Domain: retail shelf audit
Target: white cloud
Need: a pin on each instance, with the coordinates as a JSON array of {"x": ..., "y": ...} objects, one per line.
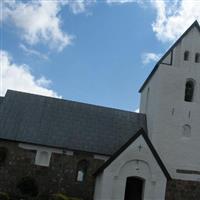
[
  {"x": 137, "y": 110},
  {"x": 19, "y": 77},
  {"x": 39, "y": 21},
  {"x": 150, "y": 57},
  {"x": 79, "y": 6},
  {"x": 121, "y": 1},
  {"x": 174, "y": 17},
  {"x": 30, "y": 51},
  {"x": 43, "y": 82}
]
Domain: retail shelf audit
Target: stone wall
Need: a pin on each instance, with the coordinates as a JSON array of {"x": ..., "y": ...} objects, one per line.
[
  {"x": 60, "y": 176},
  {"x": 183, "y": 190}
]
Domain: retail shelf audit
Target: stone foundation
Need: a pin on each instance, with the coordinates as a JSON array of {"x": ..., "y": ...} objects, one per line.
[
  {"x": 60, "y": 176},
  {"x": 182, "y": 190}
]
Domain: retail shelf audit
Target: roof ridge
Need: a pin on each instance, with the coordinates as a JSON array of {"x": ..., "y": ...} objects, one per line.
[{"x": 72, "y": 101}]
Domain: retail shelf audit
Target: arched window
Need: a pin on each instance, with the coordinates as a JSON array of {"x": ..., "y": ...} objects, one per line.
[
  {"x": 186, "y": 130},
  {"x": 82, "y": 170},
  {"x": 197, "y": 58},
  {"x": 186, "y": 55},
  {"x": 189, "y": 90}
]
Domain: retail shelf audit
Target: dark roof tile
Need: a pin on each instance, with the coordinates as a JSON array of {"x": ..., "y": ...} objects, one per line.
[{"x": 66, "y": 124}]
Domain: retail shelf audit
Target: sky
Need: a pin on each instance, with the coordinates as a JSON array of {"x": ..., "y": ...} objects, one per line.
[{"x": 93, "y": 51}]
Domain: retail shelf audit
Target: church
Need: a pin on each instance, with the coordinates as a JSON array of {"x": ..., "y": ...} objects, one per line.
[{"x": 50, "y": 145}]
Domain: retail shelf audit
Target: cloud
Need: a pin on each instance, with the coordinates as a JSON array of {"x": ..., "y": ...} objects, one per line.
[
  {"x": 122, "y": 1},
  {"x": 39, "y": 21},
  {"x": 150, "y": 57},
  {"x": 19, "y": 77},
  {"x": 137, "y": 110},
  {"x": 174, "y": 17},
  {"x": 30, "y": 51},
  {"x": 79, "y": 6}
]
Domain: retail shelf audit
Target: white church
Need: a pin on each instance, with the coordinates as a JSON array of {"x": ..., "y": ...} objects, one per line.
[
  {"x": 98, "y": 153},
  {"x": 170, "y": 98}
]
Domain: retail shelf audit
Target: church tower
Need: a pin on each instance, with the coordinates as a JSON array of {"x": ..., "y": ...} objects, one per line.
[{"x": 170, "y": 98}]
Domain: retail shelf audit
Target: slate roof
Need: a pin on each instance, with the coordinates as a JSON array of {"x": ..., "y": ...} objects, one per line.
[
  {"x": 66, "y": 124},
  {"x": 1, "y": 99}
]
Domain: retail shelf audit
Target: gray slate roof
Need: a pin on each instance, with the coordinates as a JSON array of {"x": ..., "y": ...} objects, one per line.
[
  {"x": 66, "y": 124},
  {"x": 1, "y": 99}
]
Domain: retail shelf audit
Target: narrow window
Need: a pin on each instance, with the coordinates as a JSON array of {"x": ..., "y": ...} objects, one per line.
[
  {"x": 197, "y": 58},
  {"x": 189, "y": 91},
  {"x": 81, "y": 170},
  {"x": 186, "y": 55},
  {"x": 186, "y": 130}
]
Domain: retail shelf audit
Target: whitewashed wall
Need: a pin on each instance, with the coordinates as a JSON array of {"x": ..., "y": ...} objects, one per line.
[
  {"x": 111, "y": 184},
  {"x": 167, "y": 111}
]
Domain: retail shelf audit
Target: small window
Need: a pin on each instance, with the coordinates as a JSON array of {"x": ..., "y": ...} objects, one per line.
[
  {"x": 42, "y": 158},
  {"x": 81, "y": 170},
  {"x": 197, "y": 58},
  {"x": 186, "y": 55},
  {"x": 186, "y": 130},
  {"x": 189, "y": 91}
]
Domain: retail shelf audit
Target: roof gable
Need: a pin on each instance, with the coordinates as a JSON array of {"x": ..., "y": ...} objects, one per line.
[
  {"x": 142, "y": 133},
  {"x": 195, "y": 24}
]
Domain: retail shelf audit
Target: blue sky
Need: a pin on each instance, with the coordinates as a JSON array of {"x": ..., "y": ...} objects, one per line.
[{"x": 98, "y": 52}]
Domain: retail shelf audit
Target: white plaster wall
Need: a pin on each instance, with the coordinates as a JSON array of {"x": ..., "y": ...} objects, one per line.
[
  {"x": 110, "y": 185},
  {"x": 147, "y": 104},
  {"x": 168, "y": 111}
]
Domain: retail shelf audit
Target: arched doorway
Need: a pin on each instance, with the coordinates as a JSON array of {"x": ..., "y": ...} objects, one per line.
[{"x": 134, "y": 188}]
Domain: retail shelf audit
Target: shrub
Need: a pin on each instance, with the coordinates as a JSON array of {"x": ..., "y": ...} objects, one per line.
[
  {"x": 43, "y": 197},
  {"x": 28, "y": 186},
  {"x": 4, "y": 196},
  {"x": 59, "y": 196}
]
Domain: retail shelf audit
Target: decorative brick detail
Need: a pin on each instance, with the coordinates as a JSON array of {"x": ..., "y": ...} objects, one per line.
[
  {"x": 182, "y": 190},
  {"x": 60, "y": 176}
]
